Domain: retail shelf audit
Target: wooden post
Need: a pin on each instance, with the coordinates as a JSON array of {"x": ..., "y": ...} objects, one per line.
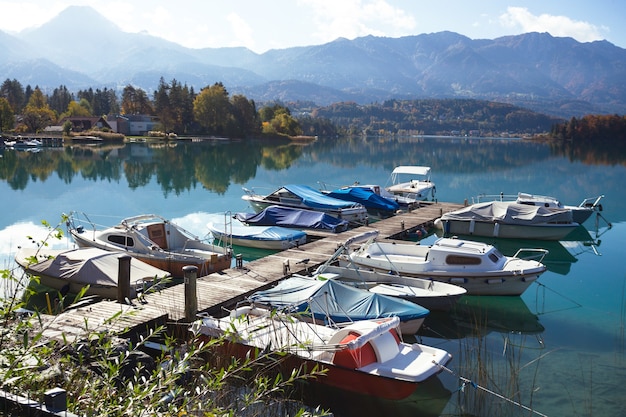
[
  {"x": 123, "y": 279},
  {"x": 191, "y": 297}
]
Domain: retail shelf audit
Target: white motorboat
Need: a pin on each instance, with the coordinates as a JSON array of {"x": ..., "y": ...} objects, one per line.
[
  {"x": 412, "y": 182},
  {"x": 428, "y": 293},
  {"x": 72, "y": 270},
  {"x": 478, "y": 267},
  {"x": 154, "y": 240},
  {"x": 508, "y": 220},
  {"x": 308, "y": 198},
  {"x": 580, "y": 213},
  {"x": 231, "y": 231},
  {"x": 367, "y": 356}
]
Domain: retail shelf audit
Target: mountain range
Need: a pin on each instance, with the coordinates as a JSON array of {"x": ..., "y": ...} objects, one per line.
[{"x": 80, "y": 49}]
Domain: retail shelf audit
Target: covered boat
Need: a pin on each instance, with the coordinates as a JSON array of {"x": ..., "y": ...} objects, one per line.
[
  {"x": 330, "y": 301},
  {"x": 233, "y": 232},
  {"x": 373, "y": 202},
  {"x": 508, "y": 220},
  {"x": 580, "y": 213},
  {"x": 308, "y": 198},
  {"x": 367, "y": 356},
  {"x": 71, "y": 270},
  {"x": 293, "y": 218},
  {"x": 152, "y": 239}
]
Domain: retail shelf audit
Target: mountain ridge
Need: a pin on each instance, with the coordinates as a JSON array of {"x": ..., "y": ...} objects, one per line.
[{"x": 553, "y": 75}]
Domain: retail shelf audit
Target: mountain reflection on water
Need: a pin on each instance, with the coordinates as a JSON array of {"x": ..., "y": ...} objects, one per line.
[{"x": 181, "y": 165}]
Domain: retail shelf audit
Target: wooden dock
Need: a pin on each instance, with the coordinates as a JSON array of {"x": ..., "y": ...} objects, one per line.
[{"x": 222, "y": 290}]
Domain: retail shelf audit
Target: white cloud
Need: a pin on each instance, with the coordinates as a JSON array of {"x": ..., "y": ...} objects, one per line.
[
  {"x": 242, "y": 31},
  {"x": 354, "y": 18},
  {"x": 520, "y": 17}
]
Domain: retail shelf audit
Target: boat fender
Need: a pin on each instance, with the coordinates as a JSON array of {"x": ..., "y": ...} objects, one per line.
[
  {"x": 494, "y": 281},
  {"x": 472, "y": 225},
  {"x": 496, "y": 230}
]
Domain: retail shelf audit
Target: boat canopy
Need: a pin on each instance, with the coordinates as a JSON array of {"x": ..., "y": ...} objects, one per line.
[
  {"x": 293, "y": 218},
  {"x": 412, "y": 170},
  {"x": 367, "y": 198},
  {"x": 332, "y": 300},
  {"x": 316, "y": 199},
  {"x": 510, "y": 213}
]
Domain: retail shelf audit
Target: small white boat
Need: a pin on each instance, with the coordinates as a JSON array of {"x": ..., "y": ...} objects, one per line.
[
  {"x": 27, "y": 143},
  {"x": 367, "y": 357},
  {"x": 428, "y": 293},
  {"x": 508, "y": 220},
  {"x": 231, "y": 231},
  {"x": 478, "y": 267},
  {"x": 154, "y": 240},
  {"x": 412, "y": 182},
  {"x": 580, "y": 213},
  {"x": 71, "y": 270},
  {"x": 308, "y": 198}
]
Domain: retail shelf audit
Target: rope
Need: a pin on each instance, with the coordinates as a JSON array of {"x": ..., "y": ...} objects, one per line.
[{"x": 476, "y": 386}]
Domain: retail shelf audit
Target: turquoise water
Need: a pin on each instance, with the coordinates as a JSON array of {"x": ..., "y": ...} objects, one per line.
[{"x": 558, "y": 349}]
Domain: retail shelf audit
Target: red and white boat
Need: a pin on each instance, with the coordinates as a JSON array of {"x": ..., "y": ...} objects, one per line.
[{"x": 366, "y": 356}]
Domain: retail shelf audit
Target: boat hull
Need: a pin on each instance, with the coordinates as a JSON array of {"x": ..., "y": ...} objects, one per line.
[
  {"x": 484, "y": 284},
  {"x": 506, "y": 231}
]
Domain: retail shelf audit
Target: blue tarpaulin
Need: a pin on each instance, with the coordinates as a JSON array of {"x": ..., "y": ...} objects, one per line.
[
  {"x": 294, "y": 218},
  {"x": 368, "y": 198},
  {"x": 331, "y": 299}
]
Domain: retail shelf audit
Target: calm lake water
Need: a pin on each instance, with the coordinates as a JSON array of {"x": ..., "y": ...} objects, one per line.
[{"x": 557, "y": 350}]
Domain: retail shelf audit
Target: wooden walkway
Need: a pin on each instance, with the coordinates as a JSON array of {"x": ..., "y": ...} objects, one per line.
[{"x": 222, "y": 290}]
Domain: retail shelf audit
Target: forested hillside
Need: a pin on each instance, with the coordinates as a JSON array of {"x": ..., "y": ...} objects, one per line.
[{"x": 458, "y": 117}]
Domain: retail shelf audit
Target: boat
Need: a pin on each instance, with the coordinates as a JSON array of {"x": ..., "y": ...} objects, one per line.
[
  {"x": 233, "y": 232},
  {"x": 508, "y": 220},
  {"x": 307, "y": 198},
  {"x": 69, "y": 271},
  {"x": 412, "y": 182},
  {"x": 580, "y": 213},
  {"x": 367, "y": 356},
  {"x": 375, "y": 203},
  {"x": 330, "y": 301},
  {"x": 27, "y": 143},
  {"x": 478, "y": 267},
  {"x": 294, "y": 218},
  {"x": 428, "y": 293},
  {"x": 153, "y": 240}
]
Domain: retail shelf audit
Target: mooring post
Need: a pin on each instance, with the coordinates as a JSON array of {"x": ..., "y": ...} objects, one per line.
[
  {"x": 123, "y": 279},
  {"x": 191, "y": 297}
]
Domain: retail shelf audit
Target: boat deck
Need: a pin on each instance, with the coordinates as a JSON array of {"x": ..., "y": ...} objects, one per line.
[{"x": 222, "y": 290}]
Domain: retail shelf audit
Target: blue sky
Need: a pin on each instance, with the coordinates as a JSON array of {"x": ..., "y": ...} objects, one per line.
[{"x": 275, "y": 24}]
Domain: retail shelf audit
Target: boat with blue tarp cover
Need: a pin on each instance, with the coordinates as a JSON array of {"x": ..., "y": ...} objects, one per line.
[
  {"x": 293, "y": 218},
  {"x": 305, "y": 197},
  {"x": 227, "y": 229},
  {"x": 331, "y": 301}
]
